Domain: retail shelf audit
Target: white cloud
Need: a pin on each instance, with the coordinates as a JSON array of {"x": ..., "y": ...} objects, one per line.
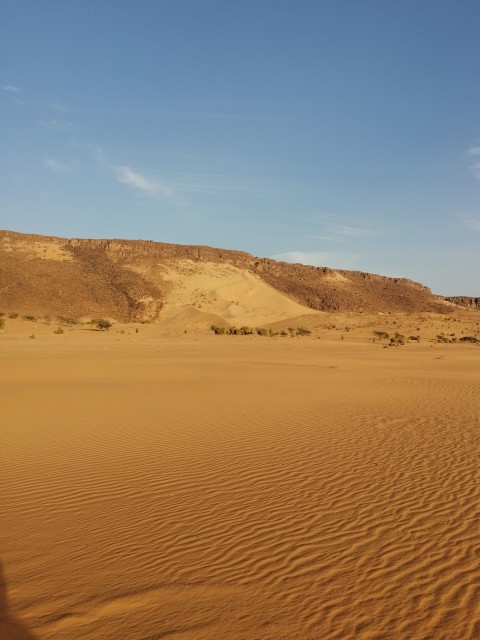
[
  {"x": 475, "y": 169},
  {"x": 474, "y": 153},
  {"x": 352, "y": 232},
  {"x": 472, "y": 222},
  {"x": 125, "y": 175},
  {"x": 58, "y": 125},
  {"x": 338, "y": 228},
  {"x": 11, "y": 88},
  {"x": 334, "y": 260},
  {"x": 54, "y": 165},
  {"x": 59, "y": 106}
]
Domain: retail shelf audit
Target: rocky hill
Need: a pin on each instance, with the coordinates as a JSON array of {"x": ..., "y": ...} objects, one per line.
[
  {"x": 465, "y": 301},
  {"x": 133, "y": 280}
]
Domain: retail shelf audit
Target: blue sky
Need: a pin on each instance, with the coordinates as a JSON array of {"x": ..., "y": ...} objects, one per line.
[{"x": 337, "y": 133}]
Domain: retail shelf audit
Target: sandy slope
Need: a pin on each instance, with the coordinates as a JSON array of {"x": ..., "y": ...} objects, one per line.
[
  {"x": 238, "y": 487},
  {"x": 229, "y": 293}
]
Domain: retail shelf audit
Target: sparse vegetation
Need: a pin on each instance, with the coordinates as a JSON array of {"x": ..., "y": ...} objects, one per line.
[
  {"x": 472, "y": 339},
  {"x": 442, "y": 338},
  {"x": 59, "y": 331},
  {"x": 217, "y": 330},
  {"x": 261, "y": 331},
  {"x": 67, "y": 321},
  {"x": 2, "y": 323},
  {"x": 397, "y": 340},
  {"x": 30, "y": 317},
  {"x": 13, "y": 315},
  {"x": 301, "y": 331},
  {"x": 101, "y": 324},
  {"x": 381, "y": 335}
]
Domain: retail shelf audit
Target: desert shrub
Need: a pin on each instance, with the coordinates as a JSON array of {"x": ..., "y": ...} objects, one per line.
[
  {"x": 234, "y": 331},
  {"x": 284, "y": 333},
  {"x": 442, "y": 339},
  {"x": 414, "y": 338},
  {"x": 261, "y": 331},
  {"x": 67, "y": 321},
  {"x": 471, "y": 339},
  {"x": 29, "y": 317},
  {"x": 13, "y": 315},
  {"x": 32, "y": 337},
  {"x": 247, "y": 331},
  {"x": 2, "y": 313},
  {"x": 301, "y": 331},
  {"x": 381, "y": 335},
  {"x": 217, "y": 330},
  {"x": 397, "y": 341},
  {"x": 102, "y": 324},
  {"x": 2, "y": 323},
  {"x": 59, "y": 331}
]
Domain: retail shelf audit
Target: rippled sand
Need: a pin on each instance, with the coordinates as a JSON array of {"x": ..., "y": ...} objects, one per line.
[{"x": 240, "y": 488}]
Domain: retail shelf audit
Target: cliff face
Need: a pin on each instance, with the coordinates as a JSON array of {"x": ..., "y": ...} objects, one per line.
[
  {"x": 126, "y": 279},
  {"x": 465, "y": 301}
]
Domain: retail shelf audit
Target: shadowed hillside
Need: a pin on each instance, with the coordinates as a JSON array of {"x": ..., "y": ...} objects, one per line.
[{"x": 132, "y": 279}]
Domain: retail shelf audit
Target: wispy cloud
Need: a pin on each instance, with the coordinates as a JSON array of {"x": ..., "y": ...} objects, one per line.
[
  {"x": 134, "y": 179},
  {"x": 56, "y": 166},
  {"x": 334, "y": 260},
  {"x": 58, "y": 125},
  {"x": 60, "y": 106},
  {"x": 471, "y": 222},
  {"x": 12, "y": 88},
  {"x": 334, "y": 229},
  {"x": 474, "y": 153}
]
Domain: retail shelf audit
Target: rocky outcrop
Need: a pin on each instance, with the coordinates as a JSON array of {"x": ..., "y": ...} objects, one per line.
[
  {"x": 125, "y": 279},
  {"x": 465, "y": 301}
]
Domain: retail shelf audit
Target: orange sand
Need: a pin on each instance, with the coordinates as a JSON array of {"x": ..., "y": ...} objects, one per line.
[{"x": 238, "y": 488}]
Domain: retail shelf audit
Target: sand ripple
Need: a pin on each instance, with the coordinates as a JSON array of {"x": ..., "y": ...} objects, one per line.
[{"x": 211, "y": 501}]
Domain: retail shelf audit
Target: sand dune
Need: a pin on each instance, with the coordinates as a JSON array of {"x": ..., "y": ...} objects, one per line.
[
  {"x": 235, "y": 487},
  {"x": 230, "y": 293}
]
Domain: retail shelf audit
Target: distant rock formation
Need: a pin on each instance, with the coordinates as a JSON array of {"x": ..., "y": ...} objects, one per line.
[
  {"x": 465, "y": 301},
  {"x": 127, "y": 280}
]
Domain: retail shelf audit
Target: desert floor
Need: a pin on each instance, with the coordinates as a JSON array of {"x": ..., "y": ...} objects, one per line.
[{"x": 239, "y": 487}]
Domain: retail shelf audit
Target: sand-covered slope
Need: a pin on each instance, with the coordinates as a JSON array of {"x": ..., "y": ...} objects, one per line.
[
  {"x": 232, "y": 294},
  {"x": 127, "y": 280},
  {"x": 238, "y": 488}
]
